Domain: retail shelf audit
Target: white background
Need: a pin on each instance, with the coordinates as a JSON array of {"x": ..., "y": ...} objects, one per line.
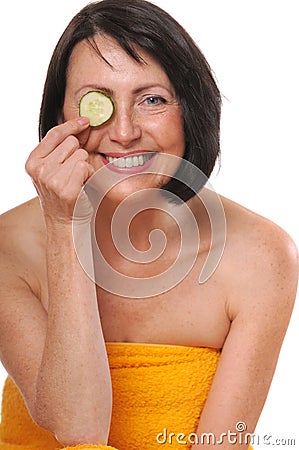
[{"x": 252, "y": 47}]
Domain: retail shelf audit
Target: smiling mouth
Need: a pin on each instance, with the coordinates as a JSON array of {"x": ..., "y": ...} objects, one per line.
[{"x": 125, "y": 162}]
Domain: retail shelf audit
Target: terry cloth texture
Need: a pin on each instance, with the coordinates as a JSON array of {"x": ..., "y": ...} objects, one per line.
[{"x": 157, "y": 390}]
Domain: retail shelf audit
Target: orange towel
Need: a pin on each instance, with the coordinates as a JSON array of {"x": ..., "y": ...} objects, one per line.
[{"x": 155, "y": 387}]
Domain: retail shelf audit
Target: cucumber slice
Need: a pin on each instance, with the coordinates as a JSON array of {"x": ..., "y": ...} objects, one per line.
[{"x": 97, "y": 107}]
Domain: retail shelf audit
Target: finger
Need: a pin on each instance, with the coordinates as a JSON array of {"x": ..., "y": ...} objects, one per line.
[
  {"x": 72, "y": 186},
  {"x": 58, "y": 134},
  {"x": 81, "y": 172},
  {"x": 63, "y": 151},
  {"x": 66, "y": 168},
  {"x": 43, "y": 168}
]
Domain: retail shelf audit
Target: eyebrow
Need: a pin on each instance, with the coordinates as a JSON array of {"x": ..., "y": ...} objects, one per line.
[{"x": 110, "y": 92}]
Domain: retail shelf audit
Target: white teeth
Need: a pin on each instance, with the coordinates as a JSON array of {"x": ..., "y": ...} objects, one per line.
[
  {"x": 120, "y": 162},
  {"x": 129, "y": 161}
]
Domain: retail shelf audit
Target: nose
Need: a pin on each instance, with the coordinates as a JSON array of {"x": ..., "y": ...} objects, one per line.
[{"x": 124, "y": 128}]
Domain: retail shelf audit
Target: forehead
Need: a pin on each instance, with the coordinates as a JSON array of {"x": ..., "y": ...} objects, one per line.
[{"x": 86, "y": 62}]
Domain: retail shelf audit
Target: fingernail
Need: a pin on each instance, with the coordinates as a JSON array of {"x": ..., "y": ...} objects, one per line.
[{"x": 83, "y": 121}]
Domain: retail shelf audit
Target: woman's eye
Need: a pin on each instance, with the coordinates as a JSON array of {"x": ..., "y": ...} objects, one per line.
[{"x": 155, "y": 100}]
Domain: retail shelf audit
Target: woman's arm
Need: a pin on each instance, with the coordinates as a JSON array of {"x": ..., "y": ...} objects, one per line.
[
  {"x": 66, "y": 382},
  {"x": 74, "y": 372},
  {"x": 262, "y": 292}
]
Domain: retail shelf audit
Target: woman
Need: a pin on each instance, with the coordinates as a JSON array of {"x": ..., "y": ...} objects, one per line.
[{"x": 66, "y": 319}]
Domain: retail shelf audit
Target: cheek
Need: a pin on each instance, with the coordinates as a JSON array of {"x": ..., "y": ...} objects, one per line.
[
  {"x": 169, "y": 133},
  {"x": 70, "y": 111}
]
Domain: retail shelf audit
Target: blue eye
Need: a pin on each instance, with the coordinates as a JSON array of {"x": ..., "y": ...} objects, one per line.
[{"x": 155, "y": 100}]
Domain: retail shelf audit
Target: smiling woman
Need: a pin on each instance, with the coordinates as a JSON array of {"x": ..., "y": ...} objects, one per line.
[
  {"x": 101, "y": 295},
  {"x": 147, "y": 118}
]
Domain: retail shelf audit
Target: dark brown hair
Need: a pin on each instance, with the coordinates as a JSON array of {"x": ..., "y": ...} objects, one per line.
[{"x": 140, "y": 24}]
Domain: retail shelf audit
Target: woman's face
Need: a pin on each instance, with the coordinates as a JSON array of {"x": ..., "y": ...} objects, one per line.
[{"x": 147, "y": 119}]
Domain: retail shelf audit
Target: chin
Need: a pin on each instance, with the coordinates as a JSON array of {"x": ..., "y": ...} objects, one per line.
[{"x": 140, "y": 188}]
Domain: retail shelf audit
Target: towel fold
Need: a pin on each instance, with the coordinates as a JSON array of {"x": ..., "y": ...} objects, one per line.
[{"x": 158, "y": 391}]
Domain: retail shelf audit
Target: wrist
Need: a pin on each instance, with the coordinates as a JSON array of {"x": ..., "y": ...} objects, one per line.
[{"x": 58, "y": 230}]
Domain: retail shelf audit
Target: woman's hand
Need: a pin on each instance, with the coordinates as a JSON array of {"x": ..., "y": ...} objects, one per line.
[{"x": 59, "y": 168}]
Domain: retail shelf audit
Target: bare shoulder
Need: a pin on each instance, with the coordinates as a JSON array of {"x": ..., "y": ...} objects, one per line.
[
  {"x": 21, "y": 238},
  {"x": 256, "y": 236},
  {"x": 19, "y": 224},
  {"x": 261, "y": 257}
]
